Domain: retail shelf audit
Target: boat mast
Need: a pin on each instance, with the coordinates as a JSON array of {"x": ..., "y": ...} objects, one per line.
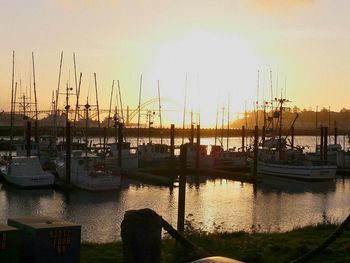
[
  {"x": 222, "y": 127},
  {"x": 160, "y": 115},
  {"x": 139, "y": 114},
  {"x": 36, "y": 103},
  {"x": 184, "y": 112},
  {"x": 57, "y": 92},
  {"x": 121, "y": 102},
  {"x": 110, "y": 106},
  {"x": 12, "y": 104},
  {"x": 98, "y": 109},
  {"x": 216, "y": 125},
  {"x": 228, "y": 122},
  {"x": 77, "y": 102}
]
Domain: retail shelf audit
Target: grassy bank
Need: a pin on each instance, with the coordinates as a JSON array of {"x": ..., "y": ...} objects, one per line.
[{"x": 255, "y": 247}]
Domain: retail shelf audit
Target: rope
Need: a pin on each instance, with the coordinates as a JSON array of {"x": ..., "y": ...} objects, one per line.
[{"x": 325, "y": 243}]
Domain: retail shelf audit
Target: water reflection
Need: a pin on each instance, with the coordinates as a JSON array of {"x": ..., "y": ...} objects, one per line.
[{"x": 214, "y": 205}]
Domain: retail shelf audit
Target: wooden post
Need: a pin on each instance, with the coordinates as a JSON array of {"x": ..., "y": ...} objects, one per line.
[
  {"x": 198, "y": 146},
  {"x": 29, "y": 135},
  {"x": 182, "y": 190},
  {"x": 256, "y": 138},
  {"x": 263, "y": 136},
  {"x": 335, "y": 134},
  {"x": 325, "y": 143},
  {"x": 36, "y": 136},
  {"x": 172, "y": 140},
  {"x": 321, "y": 145},
  {"x": 120, "y": 144},
  {"x": 192, "y": 133},
  {"x": 292, "y": 143},
  {"x": 68, "y": 152},
  {"x": 104, "y": 140},
  {"x": 243, "y": 138}
]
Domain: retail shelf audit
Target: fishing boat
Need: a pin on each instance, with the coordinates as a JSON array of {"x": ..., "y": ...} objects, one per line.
[
  {"x": 205, "y": 160},
  {"x": 129, "y": 159},
  {"x": 230, "y": 158},
  {"x": 279, "y": 159},
  {"x": 151, "y": 154},
  {"x": 27, "y": 172},
  {"x": 89, "y": 172},
  {"x": 335, "y": 155}
]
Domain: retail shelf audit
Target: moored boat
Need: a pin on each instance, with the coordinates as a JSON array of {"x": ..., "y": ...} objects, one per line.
[{"x": 27, "y": 172}]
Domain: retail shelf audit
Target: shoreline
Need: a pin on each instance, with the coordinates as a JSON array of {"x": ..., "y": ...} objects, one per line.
[{"x": 244, "y": 246}]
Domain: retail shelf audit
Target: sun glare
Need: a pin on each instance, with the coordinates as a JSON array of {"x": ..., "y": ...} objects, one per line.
[{"x": 213, "y": 66}]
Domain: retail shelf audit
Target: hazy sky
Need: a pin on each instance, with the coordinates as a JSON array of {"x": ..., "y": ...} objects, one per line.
[{"x": 220, "y": 45}]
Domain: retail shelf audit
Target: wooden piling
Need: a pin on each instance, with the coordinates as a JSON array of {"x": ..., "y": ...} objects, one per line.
[
  {"x": 256, "y": 138},
  {"x": 182, "y": 190},
  {"x": 36, "y": 136},
  {"x": 321, "y": 145},
  {"x": 243, "y": 138},
  {"x": 292, "y": 142},
  {"x": 263, "y": 136},
  {"x": 120, "y": 143},
  {"x": 198, "y": 146},
  {"x": 68, "y": 152},
  {"x": 28, "y": 136},
  {"x": 172, "y": 140},
  {"x": 335, "y": 135},
  {"x": 325, "y": 143}
]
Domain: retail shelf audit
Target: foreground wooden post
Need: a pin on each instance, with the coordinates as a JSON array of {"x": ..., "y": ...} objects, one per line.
[
  {"x": 172, "y": 140},
  {"x": 120, "y": 144},
  {"x": 182, "y": 190},
  {"x": 256, "y": 138},
  {"x": 28, "y": 136},
  {"x": 68, "y": 152},
  {"x": 198, "y": 146},
  {"x": 243, "y": 138},
  {"x": 321, "y": 145},
  {"x": 325, "y": 143},
  {"x": 292, "y": 143}
]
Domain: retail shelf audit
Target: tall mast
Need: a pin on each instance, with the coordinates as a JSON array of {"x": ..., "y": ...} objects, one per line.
[
  {"x": 75, "y": 74},
  {"x": 216, "y": 126},
  {"x": 98, "y": 109},
  {"x": 228, "y": 122},
  {"x": 257, "y": 99},
  {"x": 12, "y": 104},
  {"x": 57, "y": 92},
  {"x": 121, "y": 103},
  {"x": 36, "y": 101},
  {"x": 110, "y": 106},
  {"x": 77, "y": 98},
  {"x": 222, "y": 127},
  {"x": 184, "y": 113},
  {"x": 139, "y": 113},
  {"x": 160, "y": 116}
]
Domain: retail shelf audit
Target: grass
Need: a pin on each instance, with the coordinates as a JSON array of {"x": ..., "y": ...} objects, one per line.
[{"x": 247, "y": 247}]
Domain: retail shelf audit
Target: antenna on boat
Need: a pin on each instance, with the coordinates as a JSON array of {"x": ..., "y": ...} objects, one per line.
[
  {"x": 36, "y": 103},
  {"x": 184, "y": 112},
  {"x": 12, "y": 102},
  {"x": 139, "y": 114},
  {"x": 160, "y": 115},
  {"x": 77, "y": 102},
  {"x": 228, "y": 121},
  {"x": 57, "y": 92},
  {"x": 121, "y": 103},
  {"x": 98, "y": 109}
]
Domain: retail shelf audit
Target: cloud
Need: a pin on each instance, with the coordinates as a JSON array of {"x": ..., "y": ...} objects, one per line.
[{"x": 70, "y": 5}]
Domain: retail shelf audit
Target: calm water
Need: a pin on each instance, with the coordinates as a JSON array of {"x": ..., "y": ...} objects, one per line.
[{"x": 271, "y": 205}]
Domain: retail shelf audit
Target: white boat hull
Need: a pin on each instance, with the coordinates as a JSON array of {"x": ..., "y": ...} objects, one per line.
[
  {"x": 90, "y": 178},
  {"x": 27, "y": 172},
  {"x": 300, "y": 172}
]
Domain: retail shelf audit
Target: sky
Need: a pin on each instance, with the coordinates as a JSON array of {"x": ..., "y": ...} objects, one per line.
[{"x": 216, "y": 54}]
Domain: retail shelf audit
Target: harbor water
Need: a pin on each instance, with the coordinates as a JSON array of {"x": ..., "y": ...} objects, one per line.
[{"x": 212, "y": 204}]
